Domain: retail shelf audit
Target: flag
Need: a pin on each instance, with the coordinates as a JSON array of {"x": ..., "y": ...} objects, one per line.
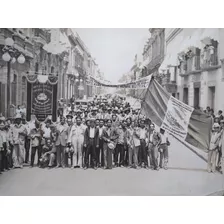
[{"x": 179, "y": 119}]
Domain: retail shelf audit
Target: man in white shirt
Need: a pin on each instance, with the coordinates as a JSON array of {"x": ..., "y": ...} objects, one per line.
[
  {"x": 143, "y": 137},
  {"x": 154, "y": 141},
  {"x": 213, "y": 147},
  {"x": 163, "y": 149},
  {"x": 76, "y": 139}
]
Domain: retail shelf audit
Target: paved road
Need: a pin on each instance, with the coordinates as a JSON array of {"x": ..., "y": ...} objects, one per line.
[{"x": 186, "y": 176}]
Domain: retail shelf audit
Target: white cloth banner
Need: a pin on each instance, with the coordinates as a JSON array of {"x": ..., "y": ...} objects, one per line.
[{"x": 177, "y": 118}]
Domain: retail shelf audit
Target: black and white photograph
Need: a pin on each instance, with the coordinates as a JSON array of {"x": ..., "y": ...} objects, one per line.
[{"x": 111, "y": 111}]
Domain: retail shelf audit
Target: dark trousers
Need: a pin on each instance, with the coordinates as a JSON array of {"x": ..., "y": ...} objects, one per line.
[
  {"x": 163, "y": 149},
  {"x": 143, "y": 152},
  {"x": 90, "y": 151},
  {"x": 27, "y": 150},
  {"x": 119, "y": 150},
  {"x": 126, "y": 156},
  {"x": 33, "y": 153},
  {"x": 10, "y": 155},
  {"x": 5, "y": 162},
  {"x": 99, "y": 154}
]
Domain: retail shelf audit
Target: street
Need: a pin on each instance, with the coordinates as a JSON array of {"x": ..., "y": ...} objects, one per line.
[{"x": 186, "y": 175}]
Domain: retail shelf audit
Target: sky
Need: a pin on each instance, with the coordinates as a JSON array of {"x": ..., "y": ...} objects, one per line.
[{"x": 114, "y": 49}]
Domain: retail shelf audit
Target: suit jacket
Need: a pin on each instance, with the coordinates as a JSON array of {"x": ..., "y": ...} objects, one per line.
[
  {"x": 62, "y": 135},
  {"x": 112, "y": 137},
  {"x": 87, "y": 138}
]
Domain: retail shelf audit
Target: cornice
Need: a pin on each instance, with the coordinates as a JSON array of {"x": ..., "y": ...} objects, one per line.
[{"x": 173, "y": 34}]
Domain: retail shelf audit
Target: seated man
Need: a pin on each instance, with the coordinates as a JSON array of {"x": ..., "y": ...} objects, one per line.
[{"x": 49, "y": 155}]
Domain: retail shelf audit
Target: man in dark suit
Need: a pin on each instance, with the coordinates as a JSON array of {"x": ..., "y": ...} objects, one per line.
[{"x": 91, "y": 142}]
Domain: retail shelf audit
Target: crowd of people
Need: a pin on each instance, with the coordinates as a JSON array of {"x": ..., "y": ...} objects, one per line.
[{"x": 104, "y": 134}]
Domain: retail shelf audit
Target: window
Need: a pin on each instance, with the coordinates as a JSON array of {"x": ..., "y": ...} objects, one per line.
[
  {"x": 52, "y": 69},
  {"x": 36, "y": 68}
]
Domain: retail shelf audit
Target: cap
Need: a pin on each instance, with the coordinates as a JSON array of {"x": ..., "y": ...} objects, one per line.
[
  {"x": 69, "y": 116},
  {"x": 222, "y": 121},
  {"x": 18, "y": 116},
  {"x": 78, "y": 111},
  {"x": 92, "y": 119},
  {"x": 216, "y": 125}
]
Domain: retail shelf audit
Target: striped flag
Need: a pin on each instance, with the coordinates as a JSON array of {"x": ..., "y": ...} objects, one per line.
[{"x": 179, "y": 119}]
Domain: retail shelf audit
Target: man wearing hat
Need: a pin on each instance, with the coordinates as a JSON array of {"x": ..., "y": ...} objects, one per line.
[
  {"x": 35, "y": 135},
  {"x": 213, "y": 147},
  {"x": 93, "y": 114},
  {"x": 163, "y": 149},
  {"x": 69, "y": 151},
  {"x": 76, "y": 139},
  {"x": 143, "y": 137},
  {"x": 91, "y": 142},
  {"x": 61, "y": 141},
  {"x": 19, "y": 133},
  {"x": 108, "y": 115},
  {"x": 110, "y": 137}
]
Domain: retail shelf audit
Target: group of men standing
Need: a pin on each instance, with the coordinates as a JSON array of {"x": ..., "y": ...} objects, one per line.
[{"x": 92, "y": 138}]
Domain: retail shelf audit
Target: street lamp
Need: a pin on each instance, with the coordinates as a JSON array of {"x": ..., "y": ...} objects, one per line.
[{"x": 9, "y": 56}]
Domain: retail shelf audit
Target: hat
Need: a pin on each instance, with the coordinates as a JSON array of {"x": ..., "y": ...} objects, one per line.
[
  {"x": 18, "y": 116},
  {"x": 78, "y": 111},
  {"x": 111, "y": 146},
  {"x": 94, "y": 109},
  {"x": 2, "y": 118},
  {"x": 69, "y": 116},
  {"x": 109, "y": 108},
  {"x": 222, "y": 121},
  {"x": 92, "y": 119},
  {"x": 216, "y": 125}
]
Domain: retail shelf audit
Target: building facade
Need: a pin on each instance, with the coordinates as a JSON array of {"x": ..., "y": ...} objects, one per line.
[{"x": 194, "y": 61}]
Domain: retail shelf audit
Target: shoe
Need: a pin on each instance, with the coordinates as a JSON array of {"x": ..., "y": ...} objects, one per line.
[
  {"x": 63, "y": 167},
  {"x": 72, "y": 167},
  {"x": 58, "y": 166},
  {"x": 165, "y": 168},
  {"x": 104, "y": 168},
  {"x": 157, "y": 168},
  {"x": 30, "y": 166},
  {"x": 85, "y": 168},
  {"x": 122, "y": 166},
  {"x": 129, "y": 167},
  {"x": 95, "y": 168},
  {"x": 146, "y": 167}
]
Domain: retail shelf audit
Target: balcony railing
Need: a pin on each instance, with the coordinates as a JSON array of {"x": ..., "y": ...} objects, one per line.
[
  {"x": 42, "y": 36},
  {"x": 211, "y": 60}
]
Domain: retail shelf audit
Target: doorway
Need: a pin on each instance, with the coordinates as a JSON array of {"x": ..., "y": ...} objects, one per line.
[
  {"x": 185, "y": 96},
  {"x": 196, "y": 98},
  {"x": 211, "y": 97}
]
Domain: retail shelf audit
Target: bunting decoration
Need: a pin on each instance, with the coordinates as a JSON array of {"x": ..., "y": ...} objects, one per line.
[{"x": 138, "y": 84}]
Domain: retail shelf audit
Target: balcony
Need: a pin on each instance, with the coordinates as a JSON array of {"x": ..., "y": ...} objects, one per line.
[
  {"x": 41, "y": 36},
  {"x": 210, "y": 61},
  {"x": 191, "y": 66}
]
